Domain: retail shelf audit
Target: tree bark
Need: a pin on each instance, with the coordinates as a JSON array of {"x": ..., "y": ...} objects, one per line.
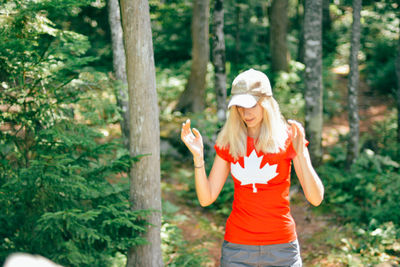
[
  {"x": 278, "y": 21},
  {"x": 352, "y": 145},
  {"x": 193, "y": 97},
  {"x": 313, "y": 77},
  {"x": 119, "y": 65},
  {"x": 145, "y": 190},
  {"x": 218, "y": 52}
]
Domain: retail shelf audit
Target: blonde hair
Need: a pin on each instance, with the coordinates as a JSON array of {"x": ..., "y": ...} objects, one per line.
[{"x": 273, "y": 132}]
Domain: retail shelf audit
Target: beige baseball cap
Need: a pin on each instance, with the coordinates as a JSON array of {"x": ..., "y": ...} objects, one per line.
[{"x": 248, "y": 87}]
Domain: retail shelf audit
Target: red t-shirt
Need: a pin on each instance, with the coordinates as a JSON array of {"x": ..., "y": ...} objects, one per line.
[{"x": 260, "y": 210}]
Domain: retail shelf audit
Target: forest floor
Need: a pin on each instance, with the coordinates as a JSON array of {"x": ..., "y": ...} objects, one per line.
[{"x": 203, "y": 228}]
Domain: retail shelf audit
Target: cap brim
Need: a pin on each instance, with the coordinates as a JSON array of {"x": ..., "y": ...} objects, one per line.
[{"x": 243, "y": 100}]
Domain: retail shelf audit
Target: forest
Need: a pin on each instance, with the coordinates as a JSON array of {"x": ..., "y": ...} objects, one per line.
[{"x": 93, "y": 94}]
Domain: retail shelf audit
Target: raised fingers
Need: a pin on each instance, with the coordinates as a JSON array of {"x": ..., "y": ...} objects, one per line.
[
  {"x": 185, "y": 127},
  {"x": 186, "y": 132},
  {"x": 297, "y": 127}
]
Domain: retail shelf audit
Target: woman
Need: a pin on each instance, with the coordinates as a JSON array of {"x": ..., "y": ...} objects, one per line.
[{"x": 257, "y": 146}]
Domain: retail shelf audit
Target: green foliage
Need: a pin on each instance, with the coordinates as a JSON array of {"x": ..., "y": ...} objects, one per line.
[
  {"x": 333, "y": 95},
  {"x": 368, "y": 191},
  {"x": 288, "y": 88},
  {"x": 177, "y": 251},
  {"x": 381, "y": 67},
  {"x": 172, "y": 39},
  {"x": 375, "y": 243},
  {"x": 354, "y": 245},
  {"x": 383, "y": 139},
  {"x": 246, "y": 33},
  {"x": 171, "y": 82},
  {"x": 365, "y": 199},
  {"x": 56, "y": 198},
  {"x": 379, "y": 39}
]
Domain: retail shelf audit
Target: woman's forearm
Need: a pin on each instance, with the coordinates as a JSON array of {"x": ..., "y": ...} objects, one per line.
[
  {"x": 203, "y": 188},
  {"x": 208, "y": 188},
  {"x": 309, "y": 179},
  {"x": 202, "y": 184}
]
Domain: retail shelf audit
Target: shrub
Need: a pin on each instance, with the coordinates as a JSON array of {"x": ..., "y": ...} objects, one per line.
[
  {"x": 176, "y": 250},
  {"x": 369, "y": 191}
]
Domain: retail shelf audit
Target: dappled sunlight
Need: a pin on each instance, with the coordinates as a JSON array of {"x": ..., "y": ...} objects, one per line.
[
  {"x": 341, "y": 70},
  {"x": 331, "y": 133}
]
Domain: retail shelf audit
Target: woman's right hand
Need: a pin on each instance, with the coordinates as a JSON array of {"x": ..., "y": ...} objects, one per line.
[{"x": 192, "y": 140}]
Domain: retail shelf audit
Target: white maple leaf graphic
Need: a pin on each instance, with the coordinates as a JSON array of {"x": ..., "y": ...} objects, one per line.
[{"x": 252, "y": 173}]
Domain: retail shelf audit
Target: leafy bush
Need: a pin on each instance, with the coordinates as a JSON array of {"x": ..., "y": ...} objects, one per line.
[
  {"x": 370, "y": 190},
  {"x": 379, "y": 40},
  {"x": 177, "y": 251},
  {"x": 288, "y": 88},
  {"x": 383, "y": 139},
  {"x": 172, "y": 41},
  {"x": 56, "y": 198},
  {"x": 352, "y": 245}
]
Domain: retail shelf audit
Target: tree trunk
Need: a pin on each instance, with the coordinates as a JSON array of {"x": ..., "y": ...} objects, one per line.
[
  {"x": 114, "y": 18},
  {"x": 352, "y": 146},
  {"x": 193, "y": 98},
  {"x": 218, "y": 52},
  {"x": 145, "y": 190},
  {"x": 313, "y": 77},
  {"x": 278, "y": 21}
]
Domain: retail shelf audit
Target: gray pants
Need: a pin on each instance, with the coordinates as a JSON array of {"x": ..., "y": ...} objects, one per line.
[{"x": 236, "y": 255}]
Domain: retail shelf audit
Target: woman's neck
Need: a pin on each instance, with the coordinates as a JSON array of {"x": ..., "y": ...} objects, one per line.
[{"x": 253, "y": 132}]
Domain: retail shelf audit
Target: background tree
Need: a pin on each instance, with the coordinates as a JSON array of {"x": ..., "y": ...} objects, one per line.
[
  {"x": 218, "y": 59},
  {"x": 278, "y": 23},
  {"x": 193, "y": 97},
  {"x": 313, "y": 77},
  {"x": 352, "y": 146},
  {"x": 145, "y": 191},
  {"x": 119, "y": 65}
]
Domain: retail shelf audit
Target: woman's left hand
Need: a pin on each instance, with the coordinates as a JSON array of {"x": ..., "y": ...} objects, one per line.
[{"x": 298, "y": 136}]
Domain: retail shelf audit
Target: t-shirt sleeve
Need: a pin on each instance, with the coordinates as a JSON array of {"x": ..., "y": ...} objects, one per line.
[{"x": 223, "y": 153}]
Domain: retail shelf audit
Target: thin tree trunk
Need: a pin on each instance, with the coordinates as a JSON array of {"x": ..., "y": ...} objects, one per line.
[
  {"x": 119, "y": 65},
  {"x": 145, "y": 190},
  {"x": 278, "y": 21},
  {"x": 352, "y": 146},
  {"x": 313, "y": 77},
  {"x": 193, "y": 98},
  {"x": 218, "y": 52}
]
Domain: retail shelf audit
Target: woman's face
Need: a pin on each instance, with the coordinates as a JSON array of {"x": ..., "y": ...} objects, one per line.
[{"x": 253, "y": 116}]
